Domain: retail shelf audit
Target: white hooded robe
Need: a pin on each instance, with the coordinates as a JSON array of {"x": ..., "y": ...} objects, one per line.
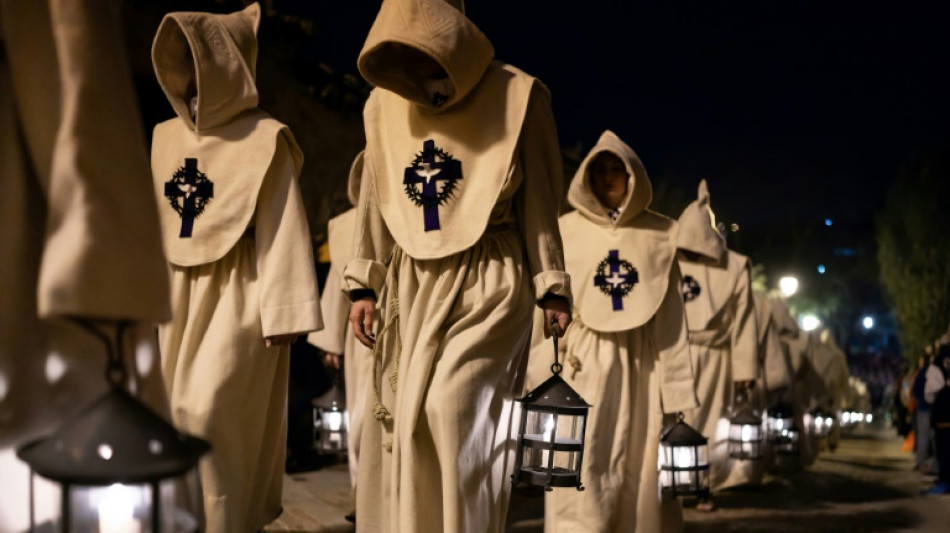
[
  {"x": 78, "y": 229},
  {"x": 241, "y": 262},
  {"x": 626, "y": 353},
  {"x": 337, "y": 337},
  {"x": 461, "y": 184},
  {"x": 717, "y": 289}
]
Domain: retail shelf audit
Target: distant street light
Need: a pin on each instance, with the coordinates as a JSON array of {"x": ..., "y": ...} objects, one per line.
[
  {"x": 868, "y": 322},
  {"x": 821, "y": 269},
  {"x": 788, "y": 285},
  {"x": 828, "y": 222},
  {"x": 810, "y": 322}
]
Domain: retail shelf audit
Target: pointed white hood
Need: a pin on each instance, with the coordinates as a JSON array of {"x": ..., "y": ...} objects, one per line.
[
  {"x": 639, "y": 189},
  {"x": 213, "y": 57},
  {"x": 436, "y": 28},
  {"x": 697, "y": 227}
]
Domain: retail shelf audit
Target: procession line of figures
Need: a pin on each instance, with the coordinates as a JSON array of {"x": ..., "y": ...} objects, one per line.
[{"x": 447, "y": 276}]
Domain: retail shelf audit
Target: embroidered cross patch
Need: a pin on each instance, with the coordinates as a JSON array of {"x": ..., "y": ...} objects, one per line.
[
  {"x": 422, "y": 181},
  {"x": 189, "y": 191},
  {"x": 691, "y": 289},
  {"x": 616, "y": 277}
]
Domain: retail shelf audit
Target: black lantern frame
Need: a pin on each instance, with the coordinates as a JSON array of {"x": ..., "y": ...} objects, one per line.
[
  {"x": 745, "y": 435},
  {"x": 550, "y": 449},
  {"x": 115, "y": 442},
  {"x": 331, "y": 421},
  {"x": 783, "y": 432},
  {"x": 683, "y": 461}
]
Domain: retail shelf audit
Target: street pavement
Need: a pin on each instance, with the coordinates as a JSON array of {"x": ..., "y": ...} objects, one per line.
[{"x": 867, "y": 485}]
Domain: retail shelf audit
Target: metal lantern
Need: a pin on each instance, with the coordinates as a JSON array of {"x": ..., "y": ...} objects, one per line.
[
  {"x": 119, "y": 465},
  {"x": 745, "y": 435},
  {"x": 782, "y": 431},
  {"x": 850, "y": 418},
  {"x": 551, "y": 436},
  {"x": 683, "y": 461},
  {"x": 330, "y": 422},
  {"x": 821, "y": 422}
]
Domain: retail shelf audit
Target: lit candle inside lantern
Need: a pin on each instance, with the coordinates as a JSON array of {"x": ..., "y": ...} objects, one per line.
[
  {"x": 335, "y": 420},
  {"x": 746, "y": 434},
  {"x": 116, "y": 511}
]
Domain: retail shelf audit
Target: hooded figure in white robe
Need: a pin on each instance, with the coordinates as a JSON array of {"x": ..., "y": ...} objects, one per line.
[
  {"x": 459, "y": 196},
  {"x": 336, "y": 337},
  {"x": 717, "y": 289},
  {"x": 796, "y": 345},
  {"x": 79, "y": 229},
  {"x": 626, "y": 352},
  {"x": 236, "y": 236},
  {"x": 827, "y": 381},
  {"x": 774, "y": 374}
]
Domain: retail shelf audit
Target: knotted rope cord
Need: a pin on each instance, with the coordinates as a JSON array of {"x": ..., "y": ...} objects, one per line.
[{"x": 380, "y": 412}]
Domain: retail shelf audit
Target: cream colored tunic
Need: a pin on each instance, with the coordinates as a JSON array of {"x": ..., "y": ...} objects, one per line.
[
  {"x": 626, "y": 353},
  {"x": 337, "y": 337},
  {"x": 722, "y": 333},
  {"x": 245, "y": 271},
  {"x": 78, "y": 228},
  {"x": 458, "y": 310}
]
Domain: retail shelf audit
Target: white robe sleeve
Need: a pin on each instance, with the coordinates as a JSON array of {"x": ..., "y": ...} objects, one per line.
[
  {"x": 336, "y": 309},
  {"x": 670, "y": 335},
  {"x": 372, "y": 241},
  {"x": 102, "y": 257},
  {"x": 289, "y": 298},
  {"x": 745, "y": 362},
  {"x": 539, "y": 198}
]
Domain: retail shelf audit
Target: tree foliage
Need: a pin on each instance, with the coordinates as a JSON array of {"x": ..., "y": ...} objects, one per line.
[{"x": 913, "y": 237}]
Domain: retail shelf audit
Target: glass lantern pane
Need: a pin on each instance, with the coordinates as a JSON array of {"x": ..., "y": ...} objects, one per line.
[
  {"x": 329, "y": 430},
  {"x": 122, "y": 508}
]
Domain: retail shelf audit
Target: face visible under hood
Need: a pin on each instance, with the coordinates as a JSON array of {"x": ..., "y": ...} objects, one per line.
[
  {"x": 408, "y": 35},
  {"x": 213, "y": 57},
  {"x": 697, "y": 227},
  {"x": 639, "y": 190}
]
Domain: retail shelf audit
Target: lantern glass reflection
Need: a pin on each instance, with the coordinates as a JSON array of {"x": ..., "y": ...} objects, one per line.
[
  {"x": 565, "y": 431},
  {"x": 551, "y": 434},
  {"x": 745, "y": 435},
  {"x": 782, "y": 431},
  {"x": 683, "y": 461},
  {"x": 330, "y": 426},
  {"x": 821, "y": 423},
  {"x": 165, "y": 507}
]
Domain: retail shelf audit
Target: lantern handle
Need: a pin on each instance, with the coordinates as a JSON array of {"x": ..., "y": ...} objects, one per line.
[
  {"x": 116, "y": 373},
  {"x": 557, "y": 367}
]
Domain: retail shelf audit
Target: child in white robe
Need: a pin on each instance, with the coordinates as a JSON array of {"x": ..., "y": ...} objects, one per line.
[
  {"x": 237, "y": 240},
  {"x": 626, "y": 352},
  {"x": 717, "y": 289}
]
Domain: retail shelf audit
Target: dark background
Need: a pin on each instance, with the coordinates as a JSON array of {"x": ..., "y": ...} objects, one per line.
[{"x": 794, "y": 111}]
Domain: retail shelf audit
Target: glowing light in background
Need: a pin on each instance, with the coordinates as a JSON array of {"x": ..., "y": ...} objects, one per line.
[
  {"x": 788, "y": 285},
  {"x": 810, "y": 322},
  {"x": 867, "y": 322}
]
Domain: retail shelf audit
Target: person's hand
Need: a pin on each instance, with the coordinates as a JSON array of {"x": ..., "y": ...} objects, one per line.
[
  {"x": 333, "y": 360},
  {"x": 280, "y": 340},
  {"x": 362, "y": 316},
  {"x": 557, "y": 316}
]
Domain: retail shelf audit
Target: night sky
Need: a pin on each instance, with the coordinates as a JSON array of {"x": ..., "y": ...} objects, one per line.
[
  {"x": 795, "y": 111},
  {"x": 813, "y": 104}
]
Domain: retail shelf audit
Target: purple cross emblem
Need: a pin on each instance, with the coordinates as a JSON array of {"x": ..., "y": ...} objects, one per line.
[
  {"x": 194, "y": 189},
  {"x": 428, "y": 168},
  {"x": 615, "y": 277}
]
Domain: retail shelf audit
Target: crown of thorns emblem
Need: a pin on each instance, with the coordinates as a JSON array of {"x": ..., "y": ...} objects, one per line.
[{"x": 691, "y": 289}]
